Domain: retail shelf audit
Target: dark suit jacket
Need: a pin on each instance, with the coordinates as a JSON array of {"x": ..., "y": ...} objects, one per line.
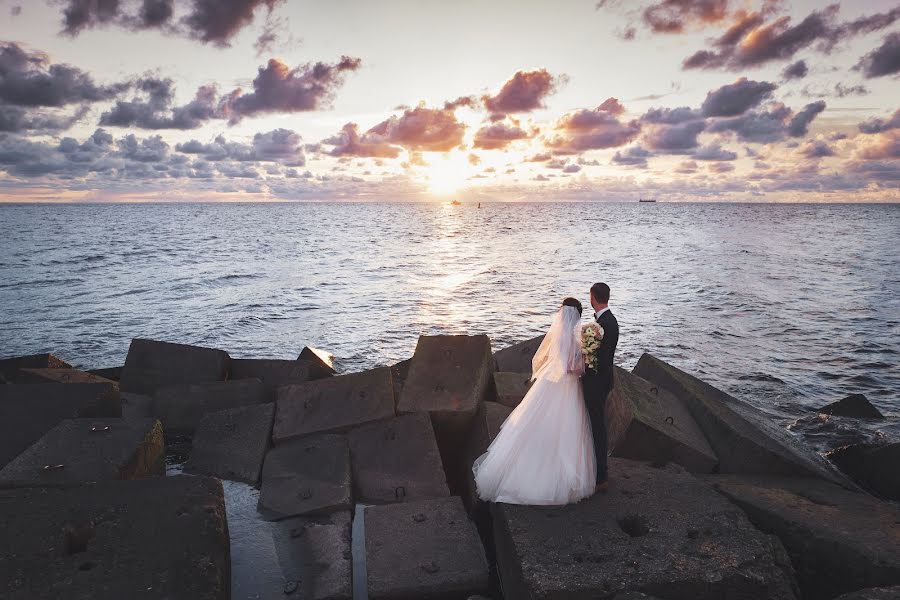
[{"x": 601, "y": 382}]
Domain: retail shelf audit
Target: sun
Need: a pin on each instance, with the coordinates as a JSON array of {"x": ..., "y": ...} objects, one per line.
[{"x": 447, "y": 174}]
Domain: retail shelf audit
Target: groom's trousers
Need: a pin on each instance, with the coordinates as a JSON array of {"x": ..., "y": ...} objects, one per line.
[{"x": 596, "y": 390}]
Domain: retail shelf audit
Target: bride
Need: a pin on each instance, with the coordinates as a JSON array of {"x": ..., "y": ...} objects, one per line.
[{"x": 544, "y": 453}]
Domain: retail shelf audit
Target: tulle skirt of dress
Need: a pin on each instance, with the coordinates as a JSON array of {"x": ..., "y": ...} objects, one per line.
[{"x": 544, "y": 452}]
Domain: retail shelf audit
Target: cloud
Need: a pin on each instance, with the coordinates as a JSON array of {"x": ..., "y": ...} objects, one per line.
[
  {"x": 756, "y": 126},
  {"x": 30, "y": 79},
  {"x": 16, "y": 119},
  {"x": 771, "y": 125},
  {"x": 279, "y": 88},
  {"x": 467, "y": 101},
  {"x": 753, "y": 40},
  {"x": 884, "y": 171},
  {"x": 673, "y": 16},
  {"x": 799, "y": 125},
  {"x": 218, "y": 21},
  {"x": 349, "y": 143},
  {"x": 499, "y": 135},
  {"x": 817, "y": 149},
  {"x": 274, "y": 30},
  {"x": 875, "y": 125},
  {"x": 571, "y": 168},
  {"x": 210, "y": 21},
  {"x": 81, "y": 14},
  {"x": 21, "y": 157},
  {"x": 796, "y": 70},
  {"x": 587, "y": 129},
  {"x": 420, "y": 129},
  {"x": 687, "y": 167},
  {"x": 670, "y": 116},
  {"x": 152, "y": 149},
  {"x": 680, "y": 138},
  {"x": 839, "y": 91},
  {"x": 885, "y": 146},
  {"x": 102, "y": 162},
  {"x": 713, "y": 152},
  {"x": 525, "y": 92},
  {"x": 870, "y": 24},
  {"x": 721, "y": 167},
  {"x": 154, "y": 13},
  {"x": 156, "y": 110},
  {"x": 884, "y": 60},
  {"x": 633, "y": 157},
  {"x": 736, "y": 98},
  {"x": 118, "y": 168},
  {"x": 279, "y": 145},
  {"x": 93, "y": 148}
]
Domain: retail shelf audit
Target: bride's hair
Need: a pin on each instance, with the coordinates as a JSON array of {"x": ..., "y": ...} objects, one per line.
[{"x": 573, "y": 302}]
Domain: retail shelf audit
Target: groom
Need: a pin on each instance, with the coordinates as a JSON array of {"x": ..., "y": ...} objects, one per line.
[{"x": 599, "y": 382}]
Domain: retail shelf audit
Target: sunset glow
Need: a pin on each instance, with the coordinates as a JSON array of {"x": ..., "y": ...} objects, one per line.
[
  {"x": 271, "y": 100},
  {"x": 446, "y": 174}
]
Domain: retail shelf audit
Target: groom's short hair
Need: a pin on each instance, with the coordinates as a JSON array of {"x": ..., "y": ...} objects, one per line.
[{"x": 600, "y": 292}]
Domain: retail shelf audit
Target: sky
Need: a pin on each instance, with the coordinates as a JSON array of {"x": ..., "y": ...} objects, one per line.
[{"x": 616, "y": 100}]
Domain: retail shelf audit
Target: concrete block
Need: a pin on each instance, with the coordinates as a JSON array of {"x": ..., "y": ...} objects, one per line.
[
  {"x": 647, "y": 422},
  {"x": 397, "y": 461},
  {"x": 333, "y": 404},
  {"x": 307, "y": 476},
  {"x": 886, "y": 593},
  {"x": 231, "y": 444},
  {"x": 511, "y": 387},
  {"x": 399, "y": 372},
  {"x": 425, "y": 549},
  {"x": 744, "y": 438},
  {"x": 27, "y": 412},
  {"x": 136, "y": 406},
  {"x": 180, "y": 407},
  {"x": 300, "y": 557},
  {"x": 876, "y": 468},
  {"x": 273, "y": 373},
  {"x": 854, "y": 405},
  {"x": 658, "y": 531},
  {"x": 9, "y": 367},
  {"x": 151, "y": 364},
  {"x": 163, "y": 538},
  {"x": 320, "y": 362},
  {"x": 111, "y": 373},
  {"x": 85, "y": 450},
  {"x": 449, "y": 377},
  {"x": 517, "y": 358},
  {"x": 63, "y": 375},
  {"x": 838, "y": 540}
]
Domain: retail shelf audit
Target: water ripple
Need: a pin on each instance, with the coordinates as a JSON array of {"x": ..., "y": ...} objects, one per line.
[{"x": 788, "y": 307}]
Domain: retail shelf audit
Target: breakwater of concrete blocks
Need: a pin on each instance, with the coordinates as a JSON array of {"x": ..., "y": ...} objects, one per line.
[{"x": 301, "y": 482}]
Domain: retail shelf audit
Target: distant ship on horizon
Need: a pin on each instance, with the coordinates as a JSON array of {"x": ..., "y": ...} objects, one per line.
[
  {"x": 455, "y": 203},
  {"x": 646, "y": 200}
]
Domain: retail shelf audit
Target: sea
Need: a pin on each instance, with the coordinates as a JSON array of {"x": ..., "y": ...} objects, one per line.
[{"x": 785, "y": 306}]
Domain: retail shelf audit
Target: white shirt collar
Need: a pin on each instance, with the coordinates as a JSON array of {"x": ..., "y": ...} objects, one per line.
[{"x": 600, "y": 312}]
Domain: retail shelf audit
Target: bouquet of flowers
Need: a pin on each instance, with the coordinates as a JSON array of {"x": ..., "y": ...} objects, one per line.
[{"x": 591, "y": 336}]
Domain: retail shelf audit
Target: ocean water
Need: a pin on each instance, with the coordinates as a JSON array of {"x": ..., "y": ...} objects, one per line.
[{"x": 785, "y": 306}]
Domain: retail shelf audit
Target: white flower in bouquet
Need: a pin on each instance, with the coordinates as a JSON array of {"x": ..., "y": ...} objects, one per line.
[{"x": 591, "y": 336}]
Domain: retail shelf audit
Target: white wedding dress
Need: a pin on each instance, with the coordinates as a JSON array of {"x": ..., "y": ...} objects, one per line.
[{"x": 544, "y": 452}]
